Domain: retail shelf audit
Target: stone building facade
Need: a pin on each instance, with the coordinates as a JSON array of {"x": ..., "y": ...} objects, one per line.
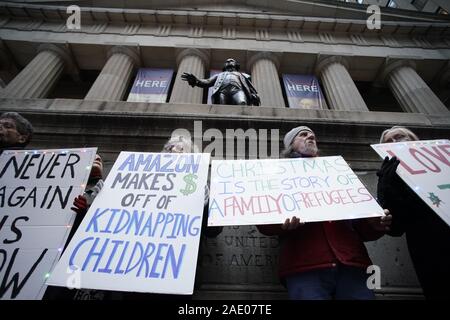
[{"x": 73, "y": 83}]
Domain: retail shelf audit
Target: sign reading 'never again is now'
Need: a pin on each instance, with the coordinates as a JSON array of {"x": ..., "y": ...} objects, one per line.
[{"x": 37, "y": 189}]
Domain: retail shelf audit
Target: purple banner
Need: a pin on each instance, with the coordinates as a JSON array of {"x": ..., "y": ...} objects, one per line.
[
  {"x": 303, "y": 92},
  {"x": 151, "y": 85}
]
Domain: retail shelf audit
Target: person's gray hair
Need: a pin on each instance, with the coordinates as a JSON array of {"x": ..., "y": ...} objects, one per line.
[
  {"x": 179, "y": 140},
  {"x": 23, "y": 126},
  {"x": 290, "y": 136},
  {"x": 403, "y": 130}
]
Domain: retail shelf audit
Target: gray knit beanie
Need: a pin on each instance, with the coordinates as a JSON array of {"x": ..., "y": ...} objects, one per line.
[{"x": 290, "y": 136}]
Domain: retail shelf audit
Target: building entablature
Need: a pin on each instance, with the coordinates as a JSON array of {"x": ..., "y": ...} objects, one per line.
[{"x": 421, "y": 26}]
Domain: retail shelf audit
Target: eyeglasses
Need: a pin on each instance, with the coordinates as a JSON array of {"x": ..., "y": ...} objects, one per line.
[{"x": 174, "y": 148}]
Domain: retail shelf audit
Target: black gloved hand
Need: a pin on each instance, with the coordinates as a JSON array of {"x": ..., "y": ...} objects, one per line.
[{"x": 389, "y": 183}]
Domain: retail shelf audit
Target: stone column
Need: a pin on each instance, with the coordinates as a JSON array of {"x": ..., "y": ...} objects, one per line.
[
  {"x": 411, "y": 92},
  {"x": 193, "y": 61},
  {"x": 339, "y": 87},
  {"x": 37, "y": 79},
  {"x": 263, "y": 67},
  {"x": 8, "y": 68},
  {"x": 113, "y": 81}
]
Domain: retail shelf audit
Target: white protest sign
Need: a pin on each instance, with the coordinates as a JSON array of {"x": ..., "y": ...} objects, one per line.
[
  {"x": 142, "y": 231},
  {"x": 251, "y": 192},
  {"x": 37, "y": 188},
  {"x": 425, "y": 167}
]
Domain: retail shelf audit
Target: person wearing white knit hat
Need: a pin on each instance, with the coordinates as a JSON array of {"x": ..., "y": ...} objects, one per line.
[
  {"x": 323, "y": 260},
  {"x": 300, "y": 142}
]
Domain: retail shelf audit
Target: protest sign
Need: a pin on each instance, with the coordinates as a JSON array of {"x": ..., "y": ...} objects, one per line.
[
  {"x": 425, "y": 167},
  {"x": 37, "y": 188},
  {"x": 142, "y": 231},
  {"x": 251, "y": 192}
]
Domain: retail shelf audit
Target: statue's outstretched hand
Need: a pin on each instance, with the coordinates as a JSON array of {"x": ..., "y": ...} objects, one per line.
[{"x": 190, "y": 78}]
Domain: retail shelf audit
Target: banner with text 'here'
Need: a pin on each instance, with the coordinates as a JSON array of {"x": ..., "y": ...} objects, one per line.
[
  {"x": 151, "y": 85},
  {"x": 303, "y": 92}
]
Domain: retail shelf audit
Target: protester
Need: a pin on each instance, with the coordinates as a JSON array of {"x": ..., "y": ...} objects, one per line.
[
  {"x": 181, "y": 144},
  {"x": 81, "y": 205},
  {"x": 323, "y": 260},
  {"x": 15, "y": 131},
  {"x": 427, "y": 235}
]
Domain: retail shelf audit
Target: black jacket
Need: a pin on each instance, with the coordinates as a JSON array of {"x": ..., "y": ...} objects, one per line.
[{"x": 427, "y": 235}]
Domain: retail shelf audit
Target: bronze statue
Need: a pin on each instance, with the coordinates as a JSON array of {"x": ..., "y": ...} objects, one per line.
[{"x": 230, "y": 86}]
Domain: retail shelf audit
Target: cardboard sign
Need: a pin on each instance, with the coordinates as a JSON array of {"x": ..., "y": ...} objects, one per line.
[
  {"x": 425, "y": 167},
  {"x": 142, "y": 231},
  {"x": 251, "y": 192},
  {"x": 37, "y": 188}
]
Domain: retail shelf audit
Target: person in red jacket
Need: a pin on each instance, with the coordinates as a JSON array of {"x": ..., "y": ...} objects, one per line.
[
  {"x": 80, "y": 206},
  {"x": 323, "y": 260}
]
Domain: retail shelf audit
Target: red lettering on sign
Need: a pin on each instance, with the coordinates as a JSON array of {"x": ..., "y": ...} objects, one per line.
[
  {"x": 404, "y": 165},
  {"x": 430, "y": 166}
]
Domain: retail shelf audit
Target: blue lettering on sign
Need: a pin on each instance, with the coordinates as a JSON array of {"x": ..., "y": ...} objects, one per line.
[
  {"x": 142, "y": 223},
  {"x": 181, "y": 163},
  {"x": 147, "y": 260}
]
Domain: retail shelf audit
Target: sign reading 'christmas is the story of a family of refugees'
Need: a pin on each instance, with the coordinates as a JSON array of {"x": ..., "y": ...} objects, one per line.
[
  {"x": 142, "y": 231},
  {"x": 251, "y": 192}
]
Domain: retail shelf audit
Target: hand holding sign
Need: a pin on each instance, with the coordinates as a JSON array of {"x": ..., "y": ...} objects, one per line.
[
  {"x": 80, "y": 205},
  {"x": 291, "y": 224},
  {"x": 389, "y": 182},
  {"x": 382, "y": 224}
]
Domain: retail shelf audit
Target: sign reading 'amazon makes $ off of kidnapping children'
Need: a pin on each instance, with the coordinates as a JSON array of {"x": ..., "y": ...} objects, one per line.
[
  {"x": 142, "y": 231},
  {"x": 425, "y": 167},
  {"x": 37, "y": 188},
  {"x": 252, "y": 192}
]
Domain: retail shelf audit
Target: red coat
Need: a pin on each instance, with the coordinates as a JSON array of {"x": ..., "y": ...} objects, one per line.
[{"x": 322, "y": 244}]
